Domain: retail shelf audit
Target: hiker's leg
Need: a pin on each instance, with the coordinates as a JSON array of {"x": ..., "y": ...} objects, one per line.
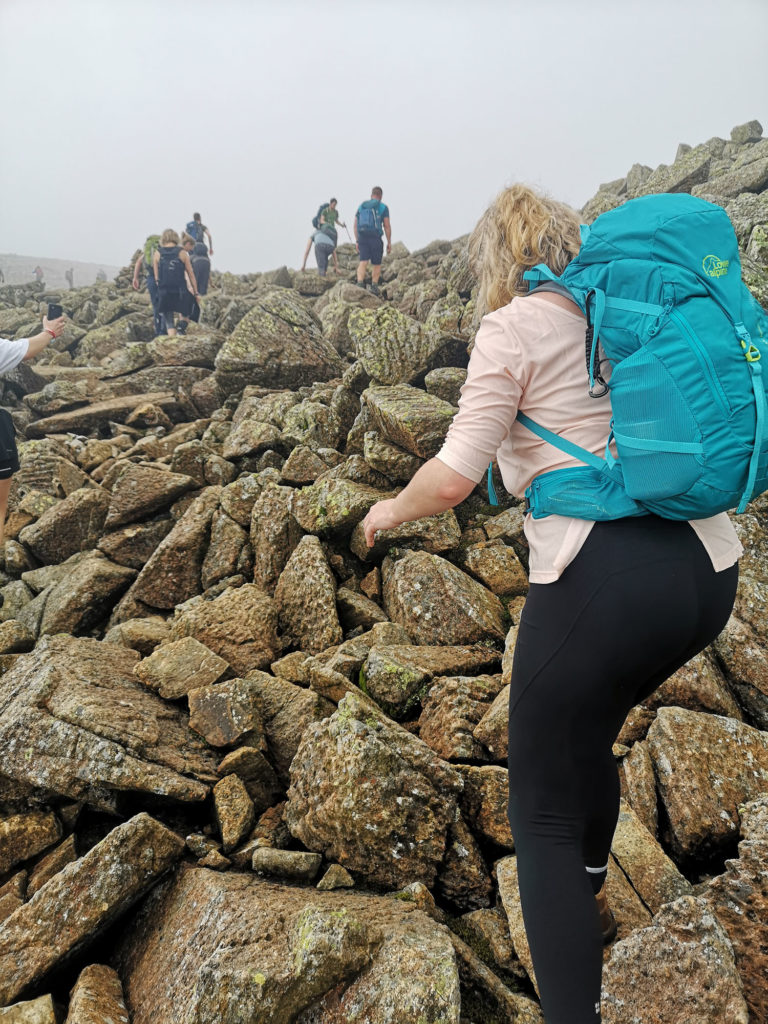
[
  {"x": 640, "y": 595},
  {"x": 378, "y": 253},
  {"x": 154, "y": 298},
  {"x": 321, "y": 255},
  {"x": 362, "y": 266}
]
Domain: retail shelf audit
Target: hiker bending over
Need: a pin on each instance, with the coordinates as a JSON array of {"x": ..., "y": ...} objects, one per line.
[
  {"x": 371, "y": 219},
  {"x": 325, "y": 247},
  {"x": 11, "y": 354},
  {"x": 613, "y": 609},
  {"x": 173, "y": 267}
]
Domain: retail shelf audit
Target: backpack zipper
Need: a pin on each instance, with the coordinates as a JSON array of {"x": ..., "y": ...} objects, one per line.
[{"x": 705, "y": 360}]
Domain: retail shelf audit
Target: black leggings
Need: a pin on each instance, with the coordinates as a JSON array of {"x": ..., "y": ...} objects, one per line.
[{"x": 638, "y": 601}]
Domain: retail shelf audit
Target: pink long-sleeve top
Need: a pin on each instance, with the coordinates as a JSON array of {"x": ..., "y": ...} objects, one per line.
[{"x": 529, "y": 356}]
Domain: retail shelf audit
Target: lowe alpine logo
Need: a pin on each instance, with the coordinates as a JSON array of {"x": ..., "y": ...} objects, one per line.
[{"x": 714, "y": 267}]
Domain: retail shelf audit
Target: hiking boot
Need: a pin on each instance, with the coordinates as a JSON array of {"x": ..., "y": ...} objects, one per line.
[
  {"x": 607, "y": 920},
  {"x": 374, "y": 288}
]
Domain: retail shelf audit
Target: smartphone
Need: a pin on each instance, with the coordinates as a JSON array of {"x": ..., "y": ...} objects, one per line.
[{"x": 54, "y": 311}]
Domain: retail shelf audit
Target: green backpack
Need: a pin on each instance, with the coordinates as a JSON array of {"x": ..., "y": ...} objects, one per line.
[{"x": 150, "y": 247}]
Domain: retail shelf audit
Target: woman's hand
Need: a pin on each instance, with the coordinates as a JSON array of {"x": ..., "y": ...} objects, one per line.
[{"x": 380, "y": 517}]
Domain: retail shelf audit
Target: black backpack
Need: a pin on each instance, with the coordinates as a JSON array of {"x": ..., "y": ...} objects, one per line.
[
  {"x": 170, "y": 270},
  {"x": 316, "y": 218}
]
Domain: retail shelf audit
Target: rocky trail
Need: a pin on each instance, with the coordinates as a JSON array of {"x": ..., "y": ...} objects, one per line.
[{"x": 253, "y": 772}]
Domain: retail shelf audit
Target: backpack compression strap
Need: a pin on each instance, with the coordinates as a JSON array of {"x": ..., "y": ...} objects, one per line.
[{"x": 752, "y": 355}]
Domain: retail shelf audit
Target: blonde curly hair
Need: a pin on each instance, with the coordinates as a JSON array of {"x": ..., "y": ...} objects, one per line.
[{"x": 518, "y": 230}]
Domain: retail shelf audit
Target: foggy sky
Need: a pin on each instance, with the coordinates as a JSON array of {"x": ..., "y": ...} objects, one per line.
[{"x": 121, "y": 118}]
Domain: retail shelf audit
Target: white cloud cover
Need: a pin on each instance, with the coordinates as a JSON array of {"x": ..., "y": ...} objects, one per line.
[{"x": 122, "y": 118}]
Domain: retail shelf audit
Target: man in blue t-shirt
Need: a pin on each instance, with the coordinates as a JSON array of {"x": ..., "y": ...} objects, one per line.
[{"x": 371, "y": 219}]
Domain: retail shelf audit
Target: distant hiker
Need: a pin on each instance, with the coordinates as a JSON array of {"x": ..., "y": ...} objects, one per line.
[
  {"x": 38, "y": 272},
  {"x": 324, "y": 241},
  {"x": 2, "y": 276},
  {"x": 101, "y": 275},
  {"x": 188, "y": 244},
  {"x": 69, "y": 277},
  {"x": 145, "y": 259},
  {"x": 371, "y": 219},
  {"x": 11, "y": 354},
  {"x": 201, "y": 265},
  {"x": 172, "y": 267},
  {"x": 198, "y": 231}
]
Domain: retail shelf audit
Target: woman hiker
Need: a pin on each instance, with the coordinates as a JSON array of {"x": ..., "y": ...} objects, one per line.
[
  {"x": 172, "y": 267},
  {"x": 613, "y": 609}
]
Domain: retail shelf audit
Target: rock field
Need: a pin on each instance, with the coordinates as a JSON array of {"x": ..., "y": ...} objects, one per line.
[{"x": 253, "y": 772}]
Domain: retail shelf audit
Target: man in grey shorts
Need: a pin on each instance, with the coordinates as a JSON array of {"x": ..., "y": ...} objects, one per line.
[{"x": 371, "y": 219}]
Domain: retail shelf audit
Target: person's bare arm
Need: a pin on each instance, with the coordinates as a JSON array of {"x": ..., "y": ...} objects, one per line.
[
  {"x": 306, "y": 253},
  {"x": 136, "y": 268},
  {"x": 210, "y": 242},
  {"x": 388, "y": 232},
  {"x": 51, "y": 329},
  {"x": 156, "y": 264},
  {"x": 434, "y": 488}
]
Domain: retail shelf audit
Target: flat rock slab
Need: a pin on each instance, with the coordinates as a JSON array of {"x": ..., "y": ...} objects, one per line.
[
  {"x": 175, "y": 668},
  {"x": 141, "y": 490},
  {"x": 97, "y": 998},
  {"x": 78, "y": 903},
  {"x": 74, "y": 721},
  {"x": 98, "y": 414},
  {"x": 210, "y": 948},
  {"x": 706, "y": 766}
]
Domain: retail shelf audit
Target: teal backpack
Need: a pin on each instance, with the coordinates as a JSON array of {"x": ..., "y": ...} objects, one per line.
[{"x": 659, "y": 281}]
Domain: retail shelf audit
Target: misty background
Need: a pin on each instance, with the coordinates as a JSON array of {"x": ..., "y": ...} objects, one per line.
[{"x": 120, "y": 119}]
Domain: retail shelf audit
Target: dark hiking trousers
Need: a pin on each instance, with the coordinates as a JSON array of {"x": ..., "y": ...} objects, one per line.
[{"x": 638, "y": 601}]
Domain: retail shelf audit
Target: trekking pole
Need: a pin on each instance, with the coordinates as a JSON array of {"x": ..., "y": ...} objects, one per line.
[{"x": 348, "y": 234}]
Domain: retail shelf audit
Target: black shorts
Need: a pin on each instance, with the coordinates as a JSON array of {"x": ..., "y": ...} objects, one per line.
[
  {"x": 180, "y": 302},
  {"x": 370, "y": 247},
  {"x": 9, "y": 455}
]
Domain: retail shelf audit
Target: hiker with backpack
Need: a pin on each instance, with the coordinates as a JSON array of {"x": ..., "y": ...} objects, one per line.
[
  {"x": 173, "y": 267},
  {"x": 198, "y": 231},
  {"x": 325, "y": 237},
  {"x": 371, "y": 219},
  {"x": 325, "y": 249},
  {"x": 145, "y": 261},
  {"x": 616, "y": 380}
]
